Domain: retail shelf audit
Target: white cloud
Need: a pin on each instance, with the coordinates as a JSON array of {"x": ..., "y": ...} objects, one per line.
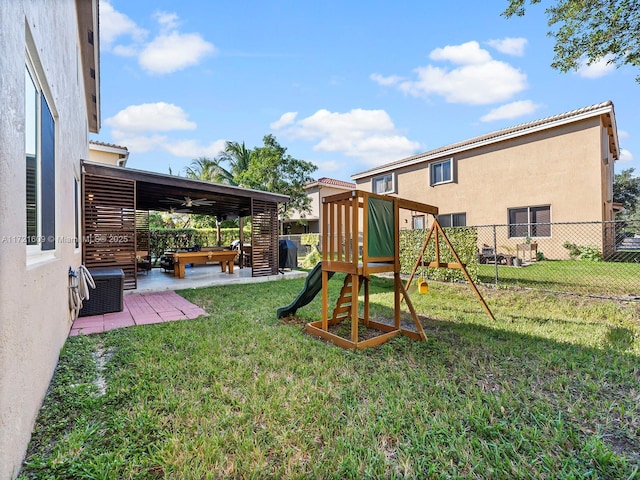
[
  {"x": 191, "y": 148},
  {"x": 174, "y": 51},
  {"x": 478, "y": 80},
  {"x": 114, "y": 24},
  {"x": 135, "y": 127},
  {"x": 623, "y": 134},
  {"x": 509, "y": 45},
  {"x": 597, "y": 69},
  {"x": 138, "y": 143},
  {"x": 284, "y": 120},
  {"x": 464, "y": 54},
  {"x": 149, "y": 117},
  {"x": 178, "y": 148},
  {"x": 385, "y": 81},
  {"x": 511, "y": 110},
  {"x": 167, "y": 52},
  {"x": 369, "y": 135},
  {"x": 167, "y": 20},
  {"x": 625, "y": 155}
]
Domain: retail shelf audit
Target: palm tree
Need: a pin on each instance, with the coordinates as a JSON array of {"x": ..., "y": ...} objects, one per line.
[
  {"x": 204, "y": 168},
  {"x": 208, "y": 169},
  {"x": 238, "y": 156}
]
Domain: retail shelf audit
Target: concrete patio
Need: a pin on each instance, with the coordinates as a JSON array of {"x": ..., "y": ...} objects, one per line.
[{"x": 203, "y": 276}]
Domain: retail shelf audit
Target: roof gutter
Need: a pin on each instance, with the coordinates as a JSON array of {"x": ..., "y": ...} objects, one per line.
[{"x": 491, "y": 140}]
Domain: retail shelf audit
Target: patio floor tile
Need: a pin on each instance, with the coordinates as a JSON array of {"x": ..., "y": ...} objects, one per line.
[
  {"x": 147, "y": 319},
  {"x": 90, "y": 321},
  {"x": 168, "y": 316},
  {"x": 140, "y": 309}
]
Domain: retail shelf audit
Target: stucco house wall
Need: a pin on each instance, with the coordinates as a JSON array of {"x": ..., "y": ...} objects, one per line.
[
  {"x": 565, "y": 165},
  {"x": 316, "y": 191},
  {"x": 108, "y": 153},
  {"x": 34, "y": 312}
]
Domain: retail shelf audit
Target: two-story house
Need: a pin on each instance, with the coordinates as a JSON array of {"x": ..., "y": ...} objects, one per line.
[
  {"x": 316, "y": 190},
  {"x": 528, "y": 177}
]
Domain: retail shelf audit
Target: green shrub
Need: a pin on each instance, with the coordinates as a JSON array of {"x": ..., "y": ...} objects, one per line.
[
  {"x": 311, "y": 239},
  {"x": 165, "y": 239},
  {"x": 464, "y": 241},
  {"x": 312, "y": 258},
  {"x": 589, "y": 253}
]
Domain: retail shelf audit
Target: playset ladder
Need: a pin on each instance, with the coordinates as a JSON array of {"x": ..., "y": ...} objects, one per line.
[{"x": 342, "y": 310}]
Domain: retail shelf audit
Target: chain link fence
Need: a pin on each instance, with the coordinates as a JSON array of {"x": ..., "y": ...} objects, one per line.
[
  {"x": 588, "y": 258},
  {"x": 591, "y": 258}
]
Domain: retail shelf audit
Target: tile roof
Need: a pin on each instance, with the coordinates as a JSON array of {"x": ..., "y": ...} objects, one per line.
[
  {"x": 331, "y": 181},
  {"x": 105, "y": 144},
  {"x": 496, "y": 136}
]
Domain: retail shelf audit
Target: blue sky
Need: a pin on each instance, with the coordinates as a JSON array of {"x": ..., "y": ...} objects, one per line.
[{"x": 344, "y": 85}]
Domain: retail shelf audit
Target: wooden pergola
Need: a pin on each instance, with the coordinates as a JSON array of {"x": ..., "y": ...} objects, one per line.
[{"x": 116, "y": 202}]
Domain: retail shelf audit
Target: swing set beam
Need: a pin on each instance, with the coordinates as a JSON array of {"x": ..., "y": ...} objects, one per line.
[{"x": 435, "y": 232}]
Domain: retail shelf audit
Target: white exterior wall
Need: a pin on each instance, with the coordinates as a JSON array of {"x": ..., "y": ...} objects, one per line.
[{"x": 34, "y": 313}]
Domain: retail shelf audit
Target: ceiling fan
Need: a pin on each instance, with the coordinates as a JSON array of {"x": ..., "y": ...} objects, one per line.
[
  {"x": 189, "y": 202},
  {"x": 173, "y": 210}
]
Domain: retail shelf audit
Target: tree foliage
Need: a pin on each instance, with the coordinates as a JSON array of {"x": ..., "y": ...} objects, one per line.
[
  {"x": 238, "y": 156},
  {"x": 626, "y": 190},
  {"x": 273, "y": 170},
  {"x": 268, "y": 168},
  {"x": 205, "y": 168},
  {"x": 591, "y": 30}
]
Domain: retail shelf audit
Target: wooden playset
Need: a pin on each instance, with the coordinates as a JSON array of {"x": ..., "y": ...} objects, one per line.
[{"x": 360, "y": 237}]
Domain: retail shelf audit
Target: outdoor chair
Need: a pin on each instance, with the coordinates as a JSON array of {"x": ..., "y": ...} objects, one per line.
[
  {"x": 166, "y": 261},
  {"x": 143, "y": 261}
]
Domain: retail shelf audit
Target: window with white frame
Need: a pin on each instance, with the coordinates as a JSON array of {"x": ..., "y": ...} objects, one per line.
[
  {"x": 417, "y": 222},
  {"x": 40, "y": 166},
  {"x": 384, "y": 184},
  {"x": 453, "y": 220},
  {"x": 441, "y": 172},
  {"x": 530, "y": 221}
]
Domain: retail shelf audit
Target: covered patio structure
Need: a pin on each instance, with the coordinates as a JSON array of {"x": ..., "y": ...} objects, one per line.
[{"x": 116, "y": 202}]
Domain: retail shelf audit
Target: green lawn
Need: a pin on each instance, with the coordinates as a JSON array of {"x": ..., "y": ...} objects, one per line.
[
  {"x": 577, "y": 276},
  {"x": 549, "y": 390}
]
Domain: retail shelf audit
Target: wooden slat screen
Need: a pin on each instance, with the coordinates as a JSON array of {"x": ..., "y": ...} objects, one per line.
[
  {"x": 110, "y": 225},
  {"x": 264, "y": 238},
  {"x": 142, "y": 231}
]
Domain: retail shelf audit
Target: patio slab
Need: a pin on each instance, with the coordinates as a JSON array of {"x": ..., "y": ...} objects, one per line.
[{"x": 140, "y": 309}]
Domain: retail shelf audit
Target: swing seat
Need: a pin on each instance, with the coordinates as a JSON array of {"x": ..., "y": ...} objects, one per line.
[{"x": 423, "y": 286}]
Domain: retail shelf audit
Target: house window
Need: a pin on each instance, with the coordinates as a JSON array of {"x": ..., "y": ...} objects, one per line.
[
  {"x": 39, "y": 166},
  {"x": 530, "y": 222},
  {"x": 441, "y": 172},
  {"x": 384, "y": 184},
  {"x": 417, "y": 222},
  {"x": 453, "y": 220}
]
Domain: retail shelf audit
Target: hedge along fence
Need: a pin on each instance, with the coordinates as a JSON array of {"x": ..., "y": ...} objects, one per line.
[
  {"x": 165, "y": 239},
  {"x": 464, "y": 241}
]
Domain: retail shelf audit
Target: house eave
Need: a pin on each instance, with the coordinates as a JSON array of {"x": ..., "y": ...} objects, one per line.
[
  {"x": 89, "y": 38},
  {"x": 603, "y": 109}
]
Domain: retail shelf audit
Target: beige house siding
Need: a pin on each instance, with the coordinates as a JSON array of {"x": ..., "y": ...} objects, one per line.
[
  {"x": 108, "y": 154},
  {"x": 34, "y": 312},
  {"x": 316, "y": 191},
  {"x": 568, "y": 167}
]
